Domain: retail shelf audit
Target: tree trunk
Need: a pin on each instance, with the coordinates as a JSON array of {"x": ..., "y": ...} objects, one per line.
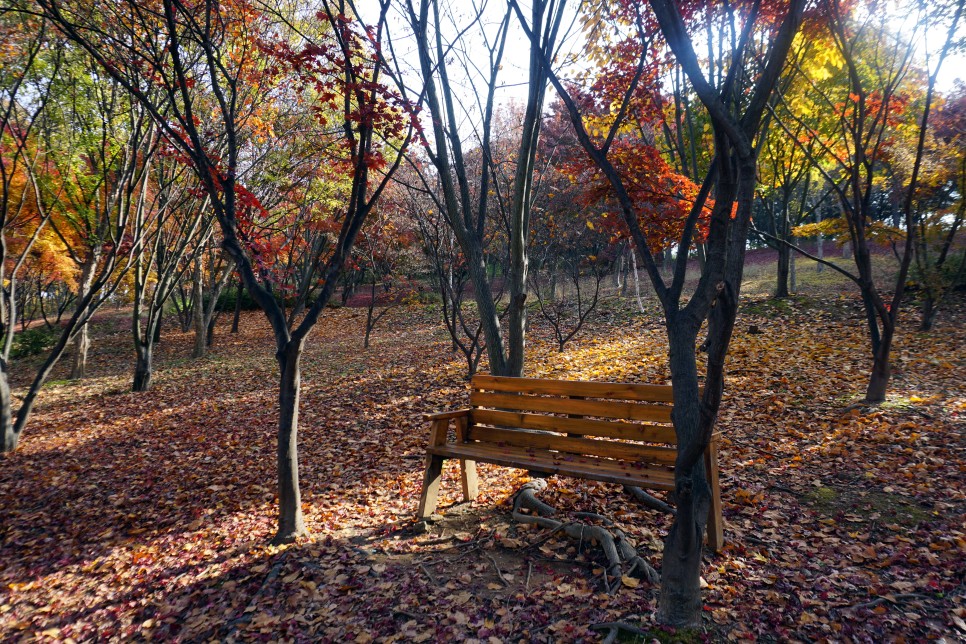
[
  {"x": 198, "y": 312},
  {"x": 680, "y": 599},
  {"x": 784, "y": 260},
  {"x": 486, "y": 307},
  {"x": 237, "y": 316},
  {"x": 637, "y": 281},
  {"x": 291, "y": 523},
  {"x": 143, "y": 368},
  {"x": 11, "y": 438},
  {"x": 929, "y": 310},
  {"x": 210, "y": 331},
  {"x": 784, "y": 252},
  {"x": 369, "y": 313},
  {"x": 881, "y": 367},
  {"x": 82, "y": 341}
]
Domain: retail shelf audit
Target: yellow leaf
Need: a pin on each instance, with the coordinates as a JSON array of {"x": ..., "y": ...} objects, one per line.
[{"x": 630, "y": 582}]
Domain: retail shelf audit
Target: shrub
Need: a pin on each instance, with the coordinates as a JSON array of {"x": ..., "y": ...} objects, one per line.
[{"x": 33, "y": 341}]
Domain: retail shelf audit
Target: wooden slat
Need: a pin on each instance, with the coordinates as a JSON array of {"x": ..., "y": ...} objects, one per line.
[
  {"x": 715, "y": 521},
  {"x": 616, "y": 390},
  {"x": 600, "y": 408},
  {"x": 583, "y": 426},
  {"x": 446, "y": 415},
  {"x": 585, "y": 467},
  {"x": 560, "y": 443}
]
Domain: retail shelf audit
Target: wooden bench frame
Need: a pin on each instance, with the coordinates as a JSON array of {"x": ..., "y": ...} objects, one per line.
[{"x": 611, "y": 432}]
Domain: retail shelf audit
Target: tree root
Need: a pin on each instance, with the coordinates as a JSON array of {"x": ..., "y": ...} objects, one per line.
[
  {"x": 650, "y": 501},
  {"x": 617, "y": 549},
  {"x": 614, "y": 630}
]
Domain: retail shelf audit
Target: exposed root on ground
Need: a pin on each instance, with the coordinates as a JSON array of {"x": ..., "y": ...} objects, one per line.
[
  {"x": 650, "y": 501},
  {"x": 614, "y": 629},
  {"x": 622, "y": 557}
]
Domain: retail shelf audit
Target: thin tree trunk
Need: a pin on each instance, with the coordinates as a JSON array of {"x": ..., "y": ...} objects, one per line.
[
  {"x": 637, "y": 281},
  {"x": 237, "y": 316},
  {"x": 82, "y": 340},
  {"x": 198, "y": 312},
  {"x": 784, "y": 252},
  {"x": 784, "y": 262},
  {"x": 210, "y": 330},
  {"x": 11, "y": 438},
  {"x": 369, "y": 313},
  {"x": 929, "y": 310}
]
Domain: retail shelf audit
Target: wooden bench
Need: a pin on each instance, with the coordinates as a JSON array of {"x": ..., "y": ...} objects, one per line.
[{"x": 611, "y": 432}]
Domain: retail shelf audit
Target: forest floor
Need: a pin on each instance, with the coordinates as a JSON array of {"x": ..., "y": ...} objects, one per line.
[{"x": 147, "y": 516}]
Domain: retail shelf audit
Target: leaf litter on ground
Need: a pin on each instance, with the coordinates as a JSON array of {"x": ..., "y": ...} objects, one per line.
[{"x": 147, "y": 516}]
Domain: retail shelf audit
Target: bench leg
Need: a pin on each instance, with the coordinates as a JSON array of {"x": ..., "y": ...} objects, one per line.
[
  {"x": 468, "y": 478},
  {"x": 715, "y": 520},
  {"x": 431, "y": 481}
]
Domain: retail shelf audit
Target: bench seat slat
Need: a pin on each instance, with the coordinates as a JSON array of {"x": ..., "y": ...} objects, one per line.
[
  {"x": 586, "y": 467},
  {"x": 598, "y": 408},
  {"x": 573, "y": 445},
  {"x": 615, "y": 390},
  {"x": 645, "y": 433}
]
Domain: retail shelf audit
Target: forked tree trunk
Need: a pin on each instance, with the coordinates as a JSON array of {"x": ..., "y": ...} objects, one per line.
[{"x": 291, "y": 523}]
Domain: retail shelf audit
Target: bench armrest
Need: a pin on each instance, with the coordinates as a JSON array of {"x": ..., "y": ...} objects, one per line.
[{"x": 447, "y": 415}]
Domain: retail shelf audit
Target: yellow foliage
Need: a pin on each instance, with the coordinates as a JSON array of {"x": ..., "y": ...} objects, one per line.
[{"x": 838, "y": 229}]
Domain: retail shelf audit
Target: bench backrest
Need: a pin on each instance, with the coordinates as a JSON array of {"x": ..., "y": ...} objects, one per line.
[{"x": 623, "y": 421}]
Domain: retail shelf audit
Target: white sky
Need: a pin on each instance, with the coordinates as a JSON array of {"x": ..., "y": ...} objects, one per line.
[{"x": 513, "y": 76}]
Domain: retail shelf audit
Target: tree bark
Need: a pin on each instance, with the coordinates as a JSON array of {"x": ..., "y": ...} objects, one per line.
[
  {"x": 881, "y": 367},
  {"x": 929, "y": 310},
  {"x": 680, "y": 600},
  {"x": 82, "y": 341},
  {"x": 11, "y": 438},
  {"x": 198, "y": 312},
  {"x": 237, "y": 316},
  {"x": 291, "y": 523},
  {"x": 784, "y": 264},
  {"x": 143, "y": 368}
]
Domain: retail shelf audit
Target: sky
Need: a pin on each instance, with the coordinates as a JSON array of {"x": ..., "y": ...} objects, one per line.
[{"x": 513, "y": 76}]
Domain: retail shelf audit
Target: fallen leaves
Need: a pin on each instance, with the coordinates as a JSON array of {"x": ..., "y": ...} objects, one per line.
[{"x": 127, "y": 516}]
